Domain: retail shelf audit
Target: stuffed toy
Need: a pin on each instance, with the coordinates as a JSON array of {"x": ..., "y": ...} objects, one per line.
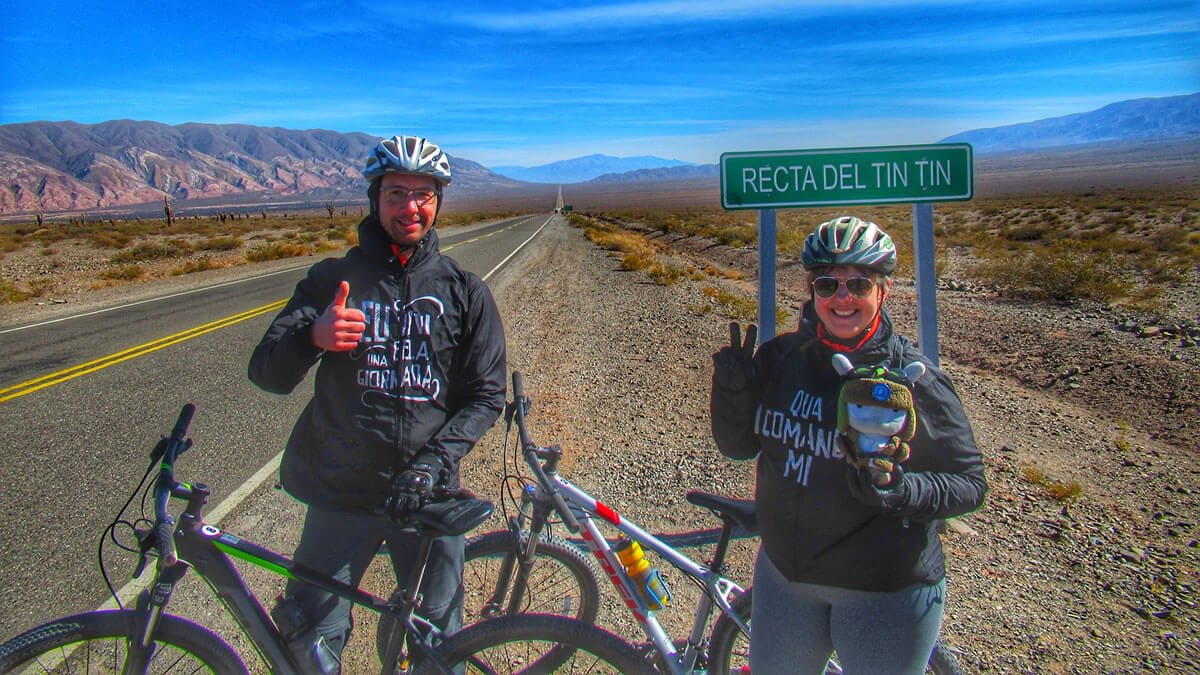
[{"x": 876, "y": 417}]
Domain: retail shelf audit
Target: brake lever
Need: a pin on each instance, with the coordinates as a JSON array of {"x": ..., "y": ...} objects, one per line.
[{"x": 145, "y": 545}]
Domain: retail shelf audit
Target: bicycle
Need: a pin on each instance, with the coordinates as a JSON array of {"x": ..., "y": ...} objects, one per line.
[
  {"x": 725, "y": 648},
  {"x": 147, "y": 639}
]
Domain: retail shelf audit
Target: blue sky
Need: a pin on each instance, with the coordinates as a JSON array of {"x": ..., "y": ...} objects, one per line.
[{"x": 545, "y": 81}]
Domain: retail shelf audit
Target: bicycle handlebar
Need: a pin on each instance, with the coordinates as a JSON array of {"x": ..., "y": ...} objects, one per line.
[{"x": 165, "y": 486}]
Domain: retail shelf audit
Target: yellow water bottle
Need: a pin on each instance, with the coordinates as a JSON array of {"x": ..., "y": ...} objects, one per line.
[{"x": 647, "y": 579}]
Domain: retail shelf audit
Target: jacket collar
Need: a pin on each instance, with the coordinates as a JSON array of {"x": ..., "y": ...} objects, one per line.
[
  {"x": 877, "y": 349},
  {"x": 374, "y": 241}
]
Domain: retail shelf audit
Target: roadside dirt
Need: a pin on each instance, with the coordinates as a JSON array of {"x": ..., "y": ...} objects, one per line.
[{"x": 618, "y": 368}]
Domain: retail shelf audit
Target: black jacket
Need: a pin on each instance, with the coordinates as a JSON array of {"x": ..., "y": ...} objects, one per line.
[
  {"x": 813, "y": 529},
  {"x": 427, "y": 378}
]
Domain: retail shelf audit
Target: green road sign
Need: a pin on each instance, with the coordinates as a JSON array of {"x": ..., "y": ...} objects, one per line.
[{"x": 885, "y": 175}]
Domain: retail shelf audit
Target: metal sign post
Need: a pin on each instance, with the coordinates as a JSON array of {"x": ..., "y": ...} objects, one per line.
[
  {"x": 766, "y": 274},
  {"x": 916, "y": 174},
  {"x": 925, "y": 264}
]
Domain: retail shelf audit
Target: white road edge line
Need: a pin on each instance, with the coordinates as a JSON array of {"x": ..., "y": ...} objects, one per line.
[
  {"x": 517, "y": 249},
  {"x": 130, "y": 590}
]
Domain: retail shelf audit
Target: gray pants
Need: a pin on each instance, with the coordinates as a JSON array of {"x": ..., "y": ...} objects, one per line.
[
  {"x": 795, "y": 627},
  {"x": 342, "y": 545}
]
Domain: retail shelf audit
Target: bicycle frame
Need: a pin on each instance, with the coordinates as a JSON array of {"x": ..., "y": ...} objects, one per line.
[
  {"x": 718, "y": 589},
  {"x": 208, "y": 550},
  {"x": 576, "y": 507}
]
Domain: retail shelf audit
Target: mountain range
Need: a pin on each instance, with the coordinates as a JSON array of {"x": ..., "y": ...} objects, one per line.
[
  {"x": 65, "y": 166},
  {"x": 584, "y": 168},
  {"x": 1133, "y": 120}
]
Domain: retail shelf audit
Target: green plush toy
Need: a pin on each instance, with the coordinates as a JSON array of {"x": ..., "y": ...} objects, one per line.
[{"x": 876, "y": 417}]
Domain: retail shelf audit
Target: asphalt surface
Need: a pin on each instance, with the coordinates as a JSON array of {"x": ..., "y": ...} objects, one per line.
[{"x": 84, "y": 398}]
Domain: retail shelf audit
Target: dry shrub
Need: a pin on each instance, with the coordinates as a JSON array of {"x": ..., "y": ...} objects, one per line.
[
  {"x": 277, "y": 250},
  {"x": 110, "y": 239},
  {"x": 145, "y": 252},
  {"x": 123, "y": 273},
  {"x": 1063, "y": 491},
  {"x": 666, "y": 274},
  {"x": 199, "y": 265},
  {"x": 732, "y": 305},
  {"x": 223, "y": 243},
  {"x": 637, "y": 260},
  {"x": 1061, "y": 271},
  {"x": 10, "y": 292}
]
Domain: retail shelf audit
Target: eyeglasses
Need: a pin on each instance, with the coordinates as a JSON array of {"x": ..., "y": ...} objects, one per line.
[
  {"x": 403, "y": 196},
  {"x": 827, "y": 287}
]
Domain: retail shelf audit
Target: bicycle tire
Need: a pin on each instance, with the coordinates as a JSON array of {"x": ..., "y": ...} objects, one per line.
[
  {"x": 538, "y": 643},
  {"x": 95, "y": 642},
  {"x": 728, "y": 648},
  {"x": 564, "y": 581},
  {"x": 943, "y": 662}
]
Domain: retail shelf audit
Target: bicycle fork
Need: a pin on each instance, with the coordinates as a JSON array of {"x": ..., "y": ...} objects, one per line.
[
  {"x": 150, "y": 606},
  {"x": 523, "y": 562}
]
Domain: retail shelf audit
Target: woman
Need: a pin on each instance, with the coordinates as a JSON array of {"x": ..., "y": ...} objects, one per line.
[{"x": 844, "y": 565}]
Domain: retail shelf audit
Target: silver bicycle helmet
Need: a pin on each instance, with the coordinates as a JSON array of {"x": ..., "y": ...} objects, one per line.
[
  {"x": 850, "y": 241},
  {"x": 408, "y": 154}
]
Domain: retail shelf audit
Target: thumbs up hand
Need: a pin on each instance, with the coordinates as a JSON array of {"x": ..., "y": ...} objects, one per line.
[{"x": 339, "y": 329}]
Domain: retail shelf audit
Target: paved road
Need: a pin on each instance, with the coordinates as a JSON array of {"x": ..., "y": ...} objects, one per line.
[{"x": 74, "y": 441}]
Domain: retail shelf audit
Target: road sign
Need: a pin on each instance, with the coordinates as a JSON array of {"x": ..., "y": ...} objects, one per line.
[{"x": 829, "y": 177}]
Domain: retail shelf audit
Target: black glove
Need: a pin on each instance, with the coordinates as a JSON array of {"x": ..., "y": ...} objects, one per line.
[
  {"x": 733, "y": 366},
  {"x": 412, "y": 489},
  {"x": 891, "y": 499}
]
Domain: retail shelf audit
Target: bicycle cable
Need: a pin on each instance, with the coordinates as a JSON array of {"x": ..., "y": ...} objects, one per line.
[
  {"x": 118, "y": 522},
  {"x": 513, "y": 474}
]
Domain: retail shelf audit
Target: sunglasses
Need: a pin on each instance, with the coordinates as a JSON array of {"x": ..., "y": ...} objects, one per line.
[{"x": 827, "y": 287}]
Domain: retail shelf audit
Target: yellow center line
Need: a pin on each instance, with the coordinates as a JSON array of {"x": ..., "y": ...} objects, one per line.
[{"x": 30, "y": 386}]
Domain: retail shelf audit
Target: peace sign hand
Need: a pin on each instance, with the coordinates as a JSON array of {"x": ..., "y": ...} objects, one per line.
[{"x": 733, "y": 365}]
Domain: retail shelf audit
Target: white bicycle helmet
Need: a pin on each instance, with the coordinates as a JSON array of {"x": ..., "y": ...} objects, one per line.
[
  {"x": 408, "y": 154},
  {"x": 850, "y": 241}
]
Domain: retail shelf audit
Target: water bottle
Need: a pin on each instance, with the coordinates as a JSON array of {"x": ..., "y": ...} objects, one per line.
[
  {"x": 309, "y": 648},
  {"x": 646, "y": 579}
]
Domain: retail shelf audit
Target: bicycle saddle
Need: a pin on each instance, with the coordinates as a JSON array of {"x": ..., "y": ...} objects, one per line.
[
  {"x": 452, "y": 517},
  {"x": 740, "y": 511}
]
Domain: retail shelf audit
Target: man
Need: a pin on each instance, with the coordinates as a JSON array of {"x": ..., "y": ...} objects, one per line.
[{"x": 410, "y": 358}]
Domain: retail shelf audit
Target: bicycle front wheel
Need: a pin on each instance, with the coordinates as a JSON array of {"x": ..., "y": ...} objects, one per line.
[
  {"x": 98, "y": 642},
  {"x": 563, "y": 579},
  {"x": 539, "y": 643}
]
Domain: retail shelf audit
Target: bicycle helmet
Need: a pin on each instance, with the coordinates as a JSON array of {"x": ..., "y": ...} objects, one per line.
[
  {"x": 850, "y": 241},
  {"x": 408, "y": 154}
]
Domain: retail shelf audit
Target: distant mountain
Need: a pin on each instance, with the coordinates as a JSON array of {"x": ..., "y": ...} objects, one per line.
[
  {"x": 60, "y": 166},
  {"x": 1133, "y": 120},
  {"x": 584, "y": 168},
  {"x": 688, "y": 172}
]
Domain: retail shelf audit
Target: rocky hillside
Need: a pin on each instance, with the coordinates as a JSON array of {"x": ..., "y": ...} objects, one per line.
[{"x": 61, "y": 166}]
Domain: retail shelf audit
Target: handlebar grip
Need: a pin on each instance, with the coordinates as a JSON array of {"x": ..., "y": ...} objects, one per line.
[
  {"x": 181, "y": 424},
  {"x": 518, "y": 386},
  {"x": 164, "y": 539}
]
